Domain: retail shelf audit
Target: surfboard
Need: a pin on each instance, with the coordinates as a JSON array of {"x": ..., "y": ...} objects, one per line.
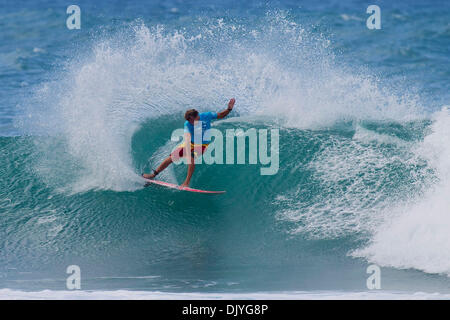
[{"x": 177, "y": 187}]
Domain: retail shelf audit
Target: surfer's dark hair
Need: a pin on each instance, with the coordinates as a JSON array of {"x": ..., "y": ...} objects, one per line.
[{"x": 190, "y": 113}]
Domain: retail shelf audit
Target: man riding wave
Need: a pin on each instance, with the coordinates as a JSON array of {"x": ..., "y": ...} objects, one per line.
[{"x": 196, "y": 125}]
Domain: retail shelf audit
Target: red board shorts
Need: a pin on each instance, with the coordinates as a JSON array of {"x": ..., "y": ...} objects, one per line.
[{"x": 179, "y": 150}]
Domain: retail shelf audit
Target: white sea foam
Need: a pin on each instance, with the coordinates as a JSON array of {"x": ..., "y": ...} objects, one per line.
[
  {"x": 8, "y": 294},
  {"x": 417, "y": 235}
]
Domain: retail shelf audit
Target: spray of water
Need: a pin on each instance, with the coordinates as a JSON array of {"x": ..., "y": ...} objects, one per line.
[{"x": 276, "y": 69}]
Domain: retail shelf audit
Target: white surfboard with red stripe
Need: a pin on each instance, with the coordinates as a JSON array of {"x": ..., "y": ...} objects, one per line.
[{"x": 174, "y": 186}]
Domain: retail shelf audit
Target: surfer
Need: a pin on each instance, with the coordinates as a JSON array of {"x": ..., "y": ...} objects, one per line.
[{"x": 193, "y": 121}]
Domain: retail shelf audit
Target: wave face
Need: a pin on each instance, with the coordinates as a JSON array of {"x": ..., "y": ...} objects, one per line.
[{"x": 363, "y": 172}]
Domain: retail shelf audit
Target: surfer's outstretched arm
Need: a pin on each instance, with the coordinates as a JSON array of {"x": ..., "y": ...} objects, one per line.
[{"x": 225, "y": 112}]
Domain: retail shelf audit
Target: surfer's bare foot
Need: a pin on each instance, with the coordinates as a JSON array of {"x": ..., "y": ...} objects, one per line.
[
  {"x": 184, "y": 185},
  {"x": 148, "y": 175}
]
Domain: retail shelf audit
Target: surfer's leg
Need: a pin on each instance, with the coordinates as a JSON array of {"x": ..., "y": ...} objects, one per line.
[
  {"x": 191, "y": 168},
  {"x": 158, "y": 170},
  {"x": 164, "y": 164}
]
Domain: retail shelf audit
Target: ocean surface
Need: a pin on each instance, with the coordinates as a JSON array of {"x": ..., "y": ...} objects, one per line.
[{"x": 364, "y": 171}]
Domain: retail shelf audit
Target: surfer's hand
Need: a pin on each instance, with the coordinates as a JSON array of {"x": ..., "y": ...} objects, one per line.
[
  {"x": 231, "y": 103},
  {"x": 224, "y": 113}
]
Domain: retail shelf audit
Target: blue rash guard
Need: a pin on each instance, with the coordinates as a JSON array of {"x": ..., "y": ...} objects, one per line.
[{"x": 205, "y": 120}]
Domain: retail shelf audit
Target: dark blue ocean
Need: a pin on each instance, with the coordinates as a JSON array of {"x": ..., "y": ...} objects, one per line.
[{"x": 364, "y": 154}]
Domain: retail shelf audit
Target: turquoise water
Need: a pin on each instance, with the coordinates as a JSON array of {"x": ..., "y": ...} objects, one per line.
[{"x": 364, "y": 156}]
